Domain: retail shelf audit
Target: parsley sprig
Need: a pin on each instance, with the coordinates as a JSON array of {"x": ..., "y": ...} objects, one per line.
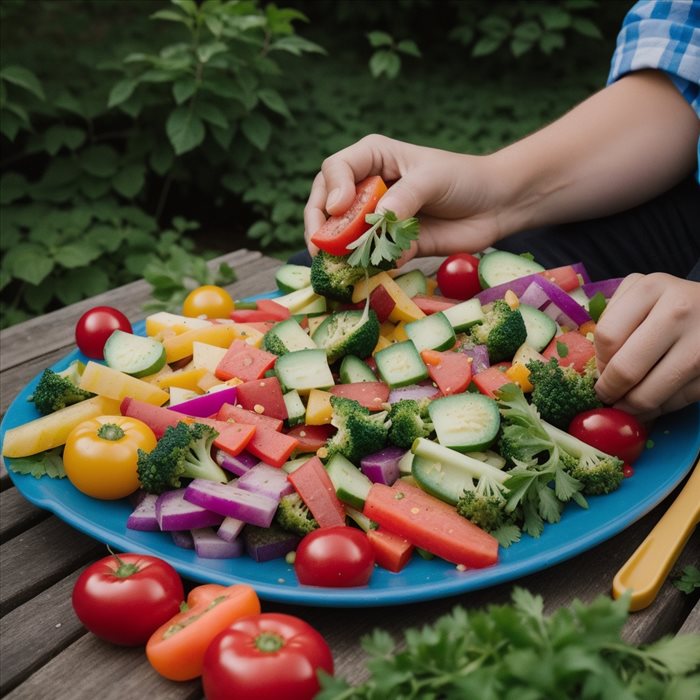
[
  {"x": 385, "y": 240},
  {"x": 516, "y": 651}
]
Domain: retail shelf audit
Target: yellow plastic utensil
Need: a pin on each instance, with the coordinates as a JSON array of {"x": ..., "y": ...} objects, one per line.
[{"x": 645, "y": 571}]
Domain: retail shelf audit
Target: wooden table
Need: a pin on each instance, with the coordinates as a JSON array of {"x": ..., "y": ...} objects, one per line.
[{"x": 45, "y": 652}]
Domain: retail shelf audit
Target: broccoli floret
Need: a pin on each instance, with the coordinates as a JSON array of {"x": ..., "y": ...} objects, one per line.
[
  {"x": 333, "y": 277},
  {"x": 56, "y": 390},
  {"x": 502, "y": 331},
  {"x": 294, "y": 515},
  {"x": 561, "y": 392},
  {"x": 408, "y": 422},
  {"x": 184, "y": 452},
  {"x": 348, "y": 333},
  {"x": 599, "y": 472},
  {"x": 491, "y": 514},
  {"x": 360, "y": 432}
]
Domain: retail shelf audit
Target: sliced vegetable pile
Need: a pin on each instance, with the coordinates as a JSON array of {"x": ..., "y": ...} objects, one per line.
[{"x": 356, "y": 418}]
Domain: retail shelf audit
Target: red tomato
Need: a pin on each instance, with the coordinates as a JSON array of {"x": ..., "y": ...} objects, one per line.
[
  {"x": 611, "y": 430},
  {"x": 209, "y": 301},
  {"x": 334, "y": 556},
  {"x": 95, "y": 326},
  {"x": 338, "y": 231},
  {"x": 125, "y": 598},
  {"x": 266, "y": 657},
  {"x": 458, "y": 276}
]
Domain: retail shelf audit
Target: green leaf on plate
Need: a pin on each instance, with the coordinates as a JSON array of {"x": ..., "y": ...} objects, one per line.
[{"x": 49, "y": 463}]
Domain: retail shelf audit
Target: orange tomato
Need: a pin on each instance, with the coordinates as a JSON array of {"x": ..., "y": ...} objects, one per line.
[
  {"x": 176, "y": 649},
  {"x": 209, "y": 301}
]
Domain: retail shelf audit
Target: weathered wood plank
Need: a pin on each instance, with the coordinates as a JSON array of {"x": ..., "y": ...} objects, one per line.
[
  {"x": 692, "y": 622},
  {"x": 33, "y": 633},
  {"x": 91, "y": 668},
  {"x": 39, "y": 557},
  {"x": 17, "y": 514}
]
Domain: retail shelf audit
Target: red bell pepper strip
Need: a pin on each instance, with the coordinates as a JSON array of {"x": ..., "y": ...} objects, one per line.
[
  {"x": 451, "y": 371},
  {"x": 176, "y": 649},
  {"x": 391, "y": 552},
  {"x": 157, "y": 418},
  {"x": 316, "y": 489},
  {"x": 263, "y": 396},
  {"x": 235, "y": 414},
  {"x": 564, "y": 277},
  {"x": 271, "y": 447},
  {"x": 244, "y": 362},
  {"x": 371, "y": 395},
  {"x": 432, "y": 304},
  {"x": 311, "y": 437},
  {"x": 431, "y": 524}
]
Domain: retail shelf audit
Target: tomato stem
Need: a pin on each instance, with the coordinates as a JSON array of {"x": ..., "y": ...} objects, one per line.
[
  {"x": 110, "y": 431},
  {"x": 268, "y": 642},
  {"x": 124, "y": 569}
]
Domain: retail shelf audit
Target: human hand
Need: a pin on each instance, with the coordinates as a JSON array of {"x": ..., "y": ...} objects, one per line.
[
  {"x": 648, "y": 345},
  {"x": 449, "y": 192}
]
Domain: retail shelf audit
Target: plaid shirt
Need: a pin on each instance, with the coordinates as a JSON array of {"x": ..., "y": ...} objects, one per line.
[{"x": 665, "y": 35}]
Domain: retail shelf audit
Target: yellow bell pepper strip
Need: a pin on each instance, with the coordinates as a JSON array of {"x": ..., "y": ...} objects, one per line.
[{"x": 176, "y": 649}]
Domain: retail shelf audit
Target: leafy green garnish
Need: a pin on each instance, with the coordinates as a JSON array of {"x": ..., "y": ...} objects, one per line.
[
  {"x": 385, "y": 240},
  {"x": 516, "y": 651},
  {"x": 689, "y": 580},
  {"x": 49, "y": 463},
  {"x": 596, "y": 306},
  {"x": 562, "y": 349}
]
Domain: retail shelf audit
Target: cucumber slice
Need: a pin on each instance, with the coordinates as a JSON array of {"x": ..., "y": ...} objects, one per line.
[
  {"x": 464, "y": 315},
  {"x": 500, "y": 266},
  {"x": 304, "y": 370},
  {"x": 351, "y": 485},
  {"x": 540, "y": 328},
  {"x": 465, "y": 422},
  {"x": 293, "y": 464},
  {"x": 287, "y": 336},
  {"x": 289, "y": 278},
  {"x": 412, "y": 283},
  {"x": 444, "y": 481},
  {"x": 134, "y": 354},
  {"x": 432, "y": 332},
  {"x": 297, "y": 299},
  {"x": 353, "y": 369},
  {"x": 400, "y": 364},
  {"x": 296, "y": 411}
]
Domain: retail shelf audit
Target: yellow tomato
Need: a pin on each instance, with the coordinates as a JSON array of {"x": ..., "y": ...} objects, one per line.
[
  {"x": 209, "y": 301},
  {"x": 100, "y": 455}
]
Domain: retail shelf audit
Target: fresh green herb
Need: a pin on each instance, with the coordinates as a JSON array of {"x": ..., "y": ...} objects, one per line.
[
  {"x": 562, "y": 349},
  {"x": 689, "y": 580},
  {"x": 49, "y": 463},
  {"x": 596, "y": 306},
  {"x": 649, "y": 444},
  {"x": 385, "y": 240},
  {"x": 515, "y": 651}
]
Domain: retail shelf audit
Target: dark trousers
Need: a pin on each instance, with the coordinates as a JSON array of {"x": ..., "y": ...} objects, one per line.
[{"x": 662, "y": 235}]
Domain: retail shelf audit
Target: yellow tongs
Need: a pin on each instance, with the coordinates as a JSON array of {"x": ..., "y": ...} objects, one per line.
[{"x": 645, "y": 571}]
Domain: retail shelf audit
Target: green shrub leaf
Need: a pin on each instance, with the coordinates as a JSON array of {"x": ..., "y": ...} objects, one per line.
[
  {"x": 130, "y": 181},
  {"x": 377, "y": 39},
  {"x": 100, "y": 161},
  {"x": 29, "y": 262},
  {"x": 24, "y": 78},
  {"x": 274, "y": 101},
  {"x": 185, "y": 130},
  {"x": 256, "y": 128},
  {"x": 13, "y": 186},
  {"x": 121, "y": 92},
  {"x": 77, "y": 254}
]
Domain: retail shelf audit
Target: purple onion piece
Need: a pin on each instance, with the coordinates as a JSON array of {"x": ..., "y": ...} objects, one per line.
[
  {"x": 175, "y": 513},
  {"x": 271, "y": 543},
  {"x": 238, "y": 465},
  {"x": 517, "y": 286},
  {"x": 535, "y": 296},
  {"x": 606, "y": 287},
  {"x": 207, "y": 404},
  {"x": 570, "y": 308},
  {"x": 382, "y": 467},
  {"x": 424, "y": 390},
  {"x": 208, "y": 545},
  {"x": 580, "y": 270},
  {"x": 479, "y": 355},
  {"x": 143, "y": 517},
  {"x": 230, "y": 529},
  {"x": 266, "y": 480},
  {"x": 182, "y": 538},
  {"x": 231, "y": 501}
]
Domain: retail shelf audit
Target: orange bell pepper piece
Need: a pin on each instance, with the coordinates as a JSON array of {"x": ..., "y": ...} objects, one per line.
[{"x": 176, "y": 649}]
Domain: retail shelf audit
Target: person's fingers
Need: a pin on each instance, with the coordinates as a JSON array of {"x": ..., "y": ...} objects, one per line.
[
  {"x": 314, "y": 216},
  {"x": 682, "y": 397}
]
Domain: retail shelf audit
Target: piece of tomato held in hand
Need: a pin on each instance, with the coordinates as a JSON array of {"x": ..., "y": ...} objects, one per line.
[
  {"x": 101, "y": 454},
  {"x": 338, "y": 556},
  {"x": 95, "y": 326},
  {"x": 339, "y": 231},
  {"x": 271, "y": 656},
  {"x": 611, "y": 430},
  {"x": 208, "y": 301},
  {"x": 124, "y": 598},
  {"x": 458, "y": 276}
]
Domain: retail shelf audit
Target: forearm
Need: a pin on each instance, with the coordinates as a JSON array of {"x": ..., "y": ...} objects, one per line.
[{"x": 624, "y": 145}]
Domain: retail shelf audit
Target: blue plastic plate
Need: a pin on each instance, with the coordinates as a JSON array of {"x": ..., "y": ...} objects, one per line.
[{"x": 676, "y": 441}]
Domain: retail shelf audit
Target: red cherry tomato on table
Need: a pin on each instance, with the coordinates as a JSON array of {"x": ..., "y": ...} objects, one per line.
[
  {"x": 334, "y": 556},
  {"x": 124, "y": 598},
  {"x": 458, "y": 276},
  {"x": 265, "y": 657},
  {"x": 95, "y": 326},
  {"x": 611, "y": 430},
  {"x": 209, "y": 301}
]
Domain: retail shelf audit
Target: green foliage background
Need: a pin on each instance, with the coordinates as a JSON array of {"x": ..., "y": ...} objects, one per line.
[{"x": 140, "y": 137}]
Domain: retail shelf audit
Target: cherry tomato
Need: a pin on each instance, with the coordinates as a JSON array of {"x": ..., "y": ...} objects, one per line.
[
  {"x": 125, "y": 598},
  {"x": 95, "y": 326},
  {"x": 101, "y": 453},
  {"x": 611, "y": 430},
  {"x": 334, "y": 556},
  {"x": 266, "y": 657},
  {"x": 458, "y": 276},
  {"x": 627, "y": 471},
  {"x": 209, "y": 301},
  {"x": 339, "y": 231}
]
